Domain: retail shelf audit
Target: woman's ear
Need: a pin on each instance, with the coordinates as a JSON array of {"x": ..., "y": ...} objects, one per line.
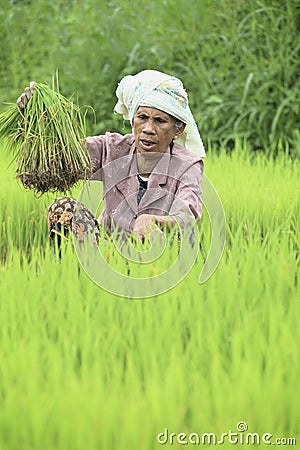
[{"x": 180, "y": 131}]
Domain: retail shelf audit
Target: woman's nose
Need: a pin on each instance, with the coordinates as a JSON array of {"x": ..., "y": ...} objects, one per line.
[{"x": 148, "y": 127}]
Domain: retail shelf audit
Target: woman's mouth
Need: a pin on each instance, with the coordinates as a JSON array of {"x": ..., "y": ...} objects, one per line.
[{"x": 146, "y": 144}]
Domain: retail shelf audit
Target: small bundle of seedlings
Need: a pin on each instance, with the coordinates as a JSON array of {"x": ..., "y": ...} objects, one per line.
[{"x": 47, "y": 141}]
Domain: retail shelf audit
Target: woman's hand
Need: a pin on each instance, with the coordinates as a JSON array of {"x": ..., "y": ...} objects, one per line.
[
  {"x": 144, "y": 224},
  {"x": 25, "y": 97}
]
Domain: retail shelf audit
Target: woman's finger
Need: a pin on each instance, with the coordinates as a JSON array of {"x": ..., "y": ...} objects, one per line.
[{"x": 27, "y": 92}]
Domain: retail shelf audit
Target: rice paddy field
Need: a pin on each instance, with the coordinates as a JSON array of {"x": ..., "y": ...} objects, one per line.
[{"x": 84, "y": 369}]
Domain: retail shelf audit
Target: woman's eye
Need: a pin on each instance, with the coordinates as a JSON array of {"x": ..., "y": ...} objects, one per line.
[
  {"x": 160, "y": 120},
  {"x": 142, "y": 117}
]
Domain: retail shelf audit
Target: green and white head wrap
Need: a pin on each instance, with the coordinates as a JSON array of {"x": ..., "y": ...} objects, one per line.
[{"x": 164, "y": 92}]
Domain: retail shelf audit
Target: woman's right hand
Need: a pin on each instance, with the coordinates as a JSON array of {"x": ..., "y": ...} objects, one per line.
[{"x": 25, "y": 97}]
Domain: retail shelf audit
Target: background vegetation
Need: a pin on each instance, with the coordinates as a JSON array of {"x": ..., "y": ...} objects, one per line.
[
  {"x": 83, "y": 370},
  {"x": 238, "y": 59}
]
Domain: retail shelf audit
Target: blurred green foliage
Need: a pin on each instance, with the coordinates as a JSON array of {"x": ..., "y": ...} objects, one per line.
[{"x": 238, "y": 60}]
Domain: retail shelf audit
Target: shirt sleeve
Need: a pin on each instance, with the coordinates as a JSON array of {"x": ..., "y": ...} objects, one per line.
[
  {"x": 97, "y": 151},
  {"x": 187, "y": 204}
]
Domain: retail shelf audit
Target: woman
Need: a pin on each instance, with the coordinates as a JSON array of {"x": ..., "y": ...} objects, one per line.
[{"x": 152, "y": 177}]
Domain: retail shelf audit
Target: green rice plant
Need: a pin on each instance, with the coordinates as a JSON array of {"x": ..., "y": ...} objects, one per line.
[
  {"x": 46, "y": 138},
  {"x": 81, "y": 368}
]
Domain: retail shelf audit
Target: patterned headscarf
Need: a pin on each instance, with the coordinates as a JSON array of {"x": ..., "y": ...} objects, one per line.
[{"x": 164, "y": 92}]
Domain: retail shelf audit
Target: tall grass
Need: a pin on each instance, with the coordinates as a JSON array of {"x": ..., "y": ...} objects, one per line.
[
  {"x": 239, "y": 60},
  {"x": 82, "y": 369}
]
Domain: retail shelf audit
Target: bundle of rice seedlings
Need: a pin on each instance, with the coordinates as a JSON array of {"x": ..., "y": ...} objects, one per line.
[{"x": 47, "y": 141}]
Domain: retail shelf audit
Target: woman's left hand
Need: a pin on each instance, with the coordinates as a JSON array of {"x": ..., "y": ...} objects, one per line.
[{"x": 144, "y": 224}]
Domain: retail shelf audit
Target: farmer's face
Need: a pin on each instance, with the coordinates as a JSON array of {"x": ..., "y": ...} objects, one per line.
[{"x": 153, "y": 130}]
